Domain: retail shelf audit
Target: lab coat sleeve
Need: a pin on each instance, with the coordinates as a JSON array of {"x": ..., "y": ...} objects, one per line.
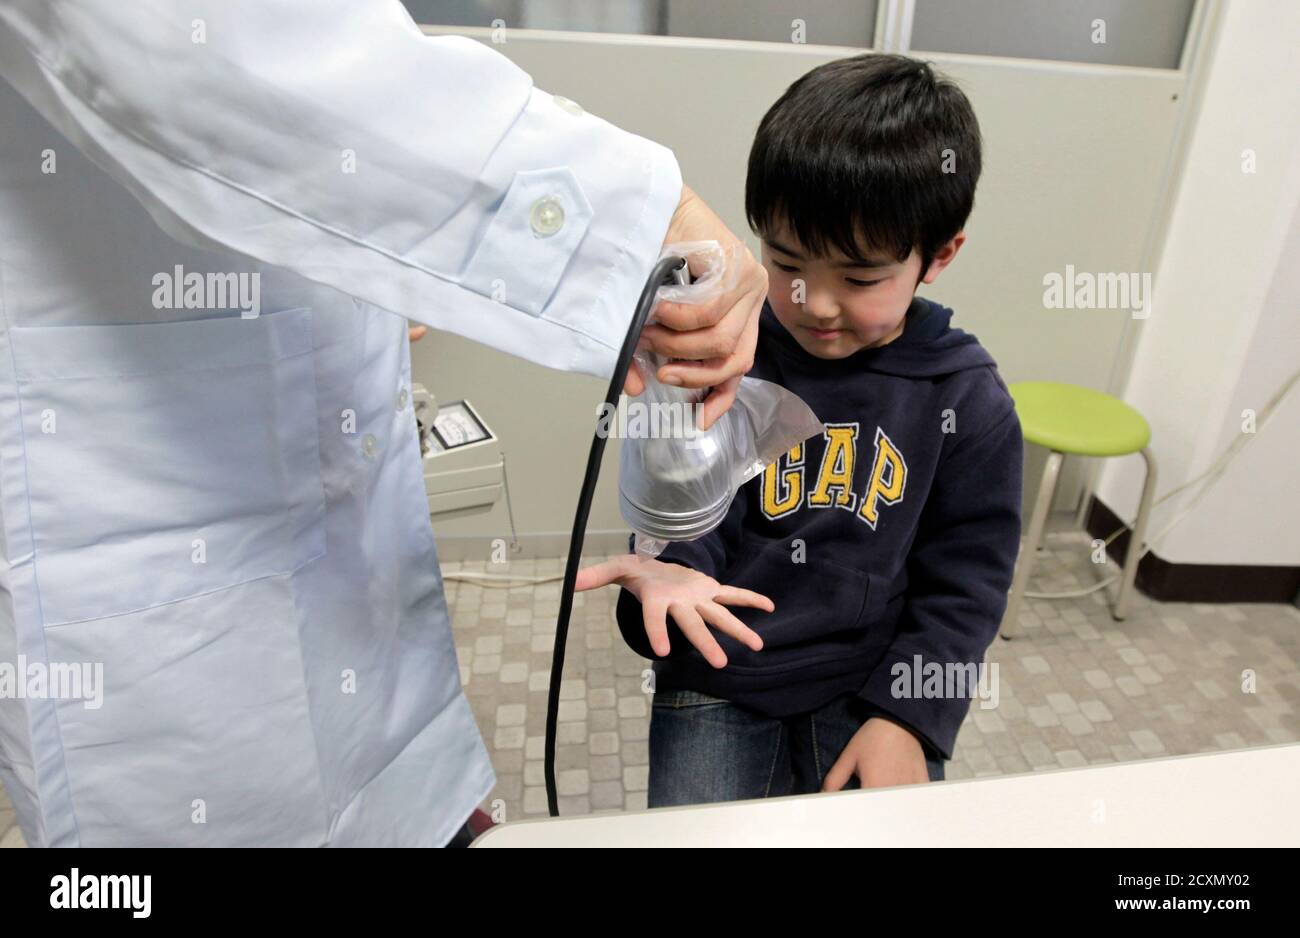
[
  {"x": 425, "y": 175},
  {"x": 959, "y": 572}
]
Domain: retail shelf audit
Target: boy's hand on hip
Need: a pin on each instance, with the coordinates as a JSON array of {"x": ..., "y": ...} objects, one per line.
[
  {"x": 880, "y": 754},
  {"x": 695, "y": 601}
]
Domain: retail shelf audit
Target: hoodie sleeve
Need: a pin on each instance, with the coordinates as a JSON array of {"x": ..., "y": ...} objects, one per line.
[
  {"x": 959, "y": 572},
  {"x": 711, "y": 555}
]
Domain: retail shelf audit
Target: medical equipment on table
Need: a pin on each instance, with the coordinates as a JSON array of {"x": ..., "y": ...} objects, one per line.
[{"x": 464, "y": 468}]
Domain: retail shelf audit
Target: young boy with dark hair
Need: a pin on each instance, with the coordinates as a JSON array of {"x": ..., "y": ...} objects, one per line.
[{"x": 873, "y": 562}]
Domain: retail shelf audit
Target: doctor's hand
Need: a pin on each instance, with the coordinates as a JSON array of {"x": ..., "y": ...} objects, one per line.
[
  {"x": 718, "y": 336},
  {"x": 693, "y": 599}
]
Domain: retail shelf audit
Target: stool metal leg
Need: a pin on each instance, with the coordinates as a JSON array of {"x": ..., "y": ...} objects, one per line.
[
  {"x": 1081, "y": 516},
  {"x": 1138, "y": 541},
  {"x": 1029, "y": 546}
]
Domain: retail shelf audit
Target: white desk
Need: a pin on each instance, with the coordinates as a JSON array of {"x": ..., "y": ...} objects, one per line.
[{"x": 1242, "y": 798}]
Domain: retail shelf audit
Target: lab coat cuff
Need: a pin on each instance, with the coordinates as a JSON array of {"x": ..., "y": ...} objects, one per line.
[
  {"x": 577, "y": 212},
  {"x": 542, "y": 219},
  {"x": 631, "y": 265}
]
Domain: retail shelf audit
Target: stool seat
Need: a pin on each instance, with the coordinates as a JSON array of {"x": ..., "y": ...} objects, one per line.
[
  {"x": 1067, "y": 418},
  {"x": 1073, "y": 419}
]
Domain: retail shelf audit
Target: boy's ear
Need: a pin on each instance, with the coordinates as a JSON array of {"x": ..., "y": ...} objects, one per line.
[{"x": 944, "y": 257}]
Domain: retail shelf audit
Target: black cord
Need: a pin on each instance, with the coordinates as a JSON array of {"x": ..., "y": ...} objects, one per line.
[{"x": 660, "y": 276}]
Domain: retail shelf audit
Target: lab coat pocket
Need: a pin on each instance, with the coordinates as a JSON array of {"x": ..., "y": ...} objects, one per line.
[{"x": 168, "y": 460}]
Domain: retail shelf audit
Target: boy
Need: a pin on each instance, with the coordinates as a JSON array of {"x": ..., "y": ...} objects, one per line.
[{"x": 887, "y": 544}]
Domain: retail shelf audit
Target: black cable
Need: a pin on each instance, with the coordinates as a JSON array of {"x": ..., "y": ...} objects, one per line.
[{"x": 660, "y": 276}]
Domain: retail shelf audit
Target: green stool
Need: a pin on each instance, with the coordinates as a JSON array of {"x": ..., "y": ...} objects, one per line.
[{"x": 1067, "y": 418}]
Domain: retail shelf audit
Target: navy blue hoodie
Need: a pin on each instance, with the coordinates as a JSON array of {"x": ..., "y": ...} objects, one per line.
[{"x": 888, "y": 539}]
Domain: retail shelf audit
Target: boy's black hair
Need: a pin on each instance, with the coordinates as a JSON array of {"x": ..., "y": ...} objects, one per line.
[{"x": 853, "y": 155}]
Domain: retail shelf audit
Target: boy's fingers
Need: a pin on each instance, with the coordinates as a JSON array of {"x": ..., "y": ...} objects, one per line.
[
  {"x": 698, "y": 634},
  {"x": 724, "y": 621},
  {"x": 598, "y": 575},
  {"x": 840, "y": 772},
  {"x": 735, "y": 596},
  {"x": 656, "y": 627}
]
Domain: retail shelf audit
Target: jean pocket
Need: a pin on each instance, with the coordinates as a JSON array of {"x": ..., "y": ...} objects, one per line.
[
  {"x": 167, "y": 460},
  {"x": 677, "y": 699}
]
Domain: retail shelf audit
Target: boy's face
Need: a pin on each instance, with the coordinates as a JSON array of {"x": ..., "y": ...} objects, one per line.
[{"x": 837, "y": 305}]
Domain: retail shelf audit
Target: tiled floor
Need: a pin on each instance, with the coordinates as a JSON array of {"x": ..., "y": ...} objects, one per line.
[{"x": 1076, "y": 687}]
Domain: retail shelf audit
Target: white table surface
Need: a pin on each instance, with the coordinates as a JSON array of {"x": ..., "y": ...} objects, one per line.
[{"x": 1241, "y": 798}]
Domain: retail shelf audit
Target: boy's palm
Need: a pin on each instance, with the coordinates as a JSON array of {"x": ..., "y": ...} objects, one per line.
[{"x": 694, "y": 600}]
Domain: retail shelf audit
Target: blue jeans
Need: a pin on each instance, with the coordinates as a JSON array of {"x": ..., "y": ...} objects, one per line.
[{"x": 704, "y": 749}]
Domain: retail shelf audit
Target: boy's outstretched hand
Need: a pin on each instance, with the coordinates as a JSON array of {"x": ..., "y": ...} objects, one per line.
[
  {"x": 693, "y": 599},
  {"x": 880, "y": 754}
]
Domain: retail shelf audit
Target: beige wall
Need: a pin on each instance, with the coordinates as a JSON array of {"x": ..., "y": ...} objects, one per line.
[
  {"x": 1225, "y": 332},
  {"x": 1074, "y": 160}
]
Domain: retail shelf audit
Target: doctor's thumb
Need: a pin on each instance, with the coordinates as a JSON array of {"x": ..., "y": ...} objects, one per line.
[{"x": 634, "y": 383}]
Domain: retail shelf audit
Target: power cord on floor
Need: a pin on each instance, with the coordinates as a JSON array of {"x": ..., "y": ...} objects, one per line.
[{"x": 488, "y": 580}]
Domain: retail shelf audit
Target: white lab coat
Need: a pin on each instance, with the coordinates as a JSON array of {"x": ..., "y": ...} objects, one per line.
[{"x": 228, "y": 513}]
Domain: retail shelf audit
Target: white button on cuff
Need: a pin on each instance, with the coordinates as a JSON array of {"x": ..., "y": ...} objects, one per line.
[
  {"x": 402, "y": 399},
  {"x": 369, "y": 445},
  {"x": 531, "y": 240},
  {"x": 568, "y": 104},
  {"x": 547, "y": 216}
]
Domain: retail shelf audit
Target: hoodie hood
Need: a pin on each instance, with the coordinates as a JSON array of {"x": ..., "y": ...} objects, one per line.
[{"x": 928, "y": 346}]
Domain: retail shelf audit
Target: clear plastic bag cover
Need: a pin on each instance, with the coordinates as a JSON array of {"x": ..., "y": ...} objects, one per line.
[{"x": 676, "y": 481}]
